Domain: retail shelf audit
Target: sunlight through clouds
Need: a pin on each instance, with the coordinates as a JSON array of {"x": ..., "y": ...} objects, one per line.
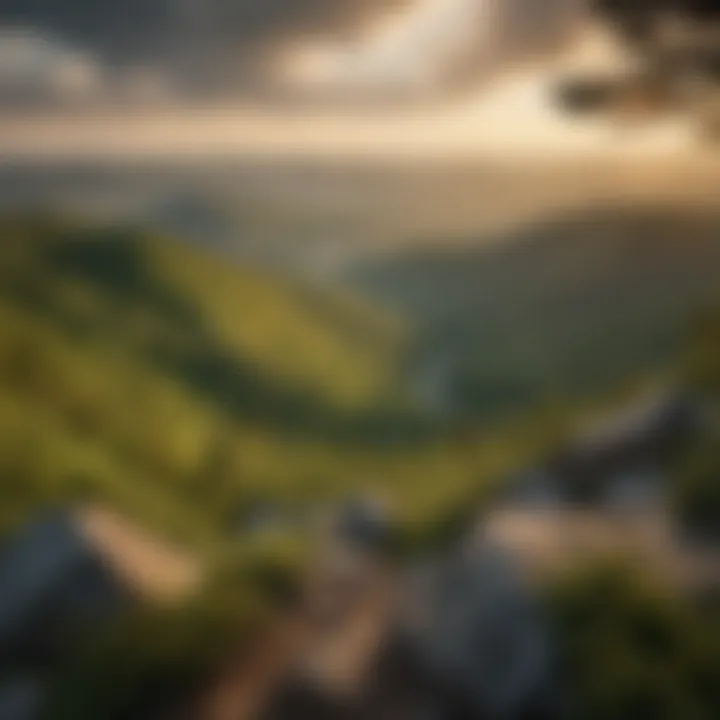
[{"x": 416, "y": 48}]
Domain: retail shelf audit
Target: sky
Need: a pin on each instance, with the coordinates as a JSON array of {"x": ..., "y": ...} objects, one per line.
[
  {"x": 236, "y": 47},
  {"x": 106, "y": 82}
]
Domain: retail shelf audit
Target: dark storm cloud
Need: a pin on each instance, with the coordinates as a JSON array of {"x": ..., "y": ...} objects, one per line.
[
  {"x": 209, "y": 45},
  {"x": 122, "y": 30}
]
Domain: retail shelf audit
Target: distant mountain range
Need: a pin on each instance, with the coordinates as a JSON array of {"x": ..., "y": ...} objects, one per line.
[{"x": 563, "y": 307}]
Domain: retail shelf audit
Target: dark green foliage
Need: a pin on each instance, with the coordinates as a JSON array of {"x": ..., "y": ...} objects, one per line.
[
  {"x": 151, "y": 659},
  {"x": 154, "y": 658},
  {"x": 701, "y": 365},
  {"x": 696, "y": 487},
  {"x": 697, "y": 492},
  {"x": 117, "y": 262},
  {"x": 633, "y": 650}
]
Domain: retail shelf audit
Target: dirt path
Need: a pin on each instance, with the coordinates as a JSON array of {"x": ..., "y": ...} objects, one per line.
[{"x": 334, "y": 654}]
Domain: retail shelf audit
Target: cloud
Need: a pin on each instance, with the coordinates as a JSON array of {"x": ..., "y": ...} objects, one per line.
[
  {"x": 34, "y": 66},
  {"x": 437, "y": 45},
  {"x": 228, "y": 45},
  {"x": 193, "y": 33}
]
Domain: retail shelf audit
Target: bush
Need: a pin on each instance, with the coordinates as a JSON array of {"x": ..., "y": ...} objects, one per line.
[
  {"x": 697, "y": 492},
  {"x": 630, "y": 650},
  {"x": 154, "y": 658}
]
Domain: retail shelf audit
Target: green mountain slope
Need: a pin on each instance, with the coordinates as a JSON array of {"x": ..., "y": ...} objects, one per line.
[
  {"x": 140, "y": 370},
  {"x": 566, "y": 306}
]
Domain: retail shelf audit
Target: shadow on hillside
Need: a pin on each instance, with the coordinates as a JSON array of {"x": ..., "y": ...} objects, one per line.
[{"x": 116, "y": 262}]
